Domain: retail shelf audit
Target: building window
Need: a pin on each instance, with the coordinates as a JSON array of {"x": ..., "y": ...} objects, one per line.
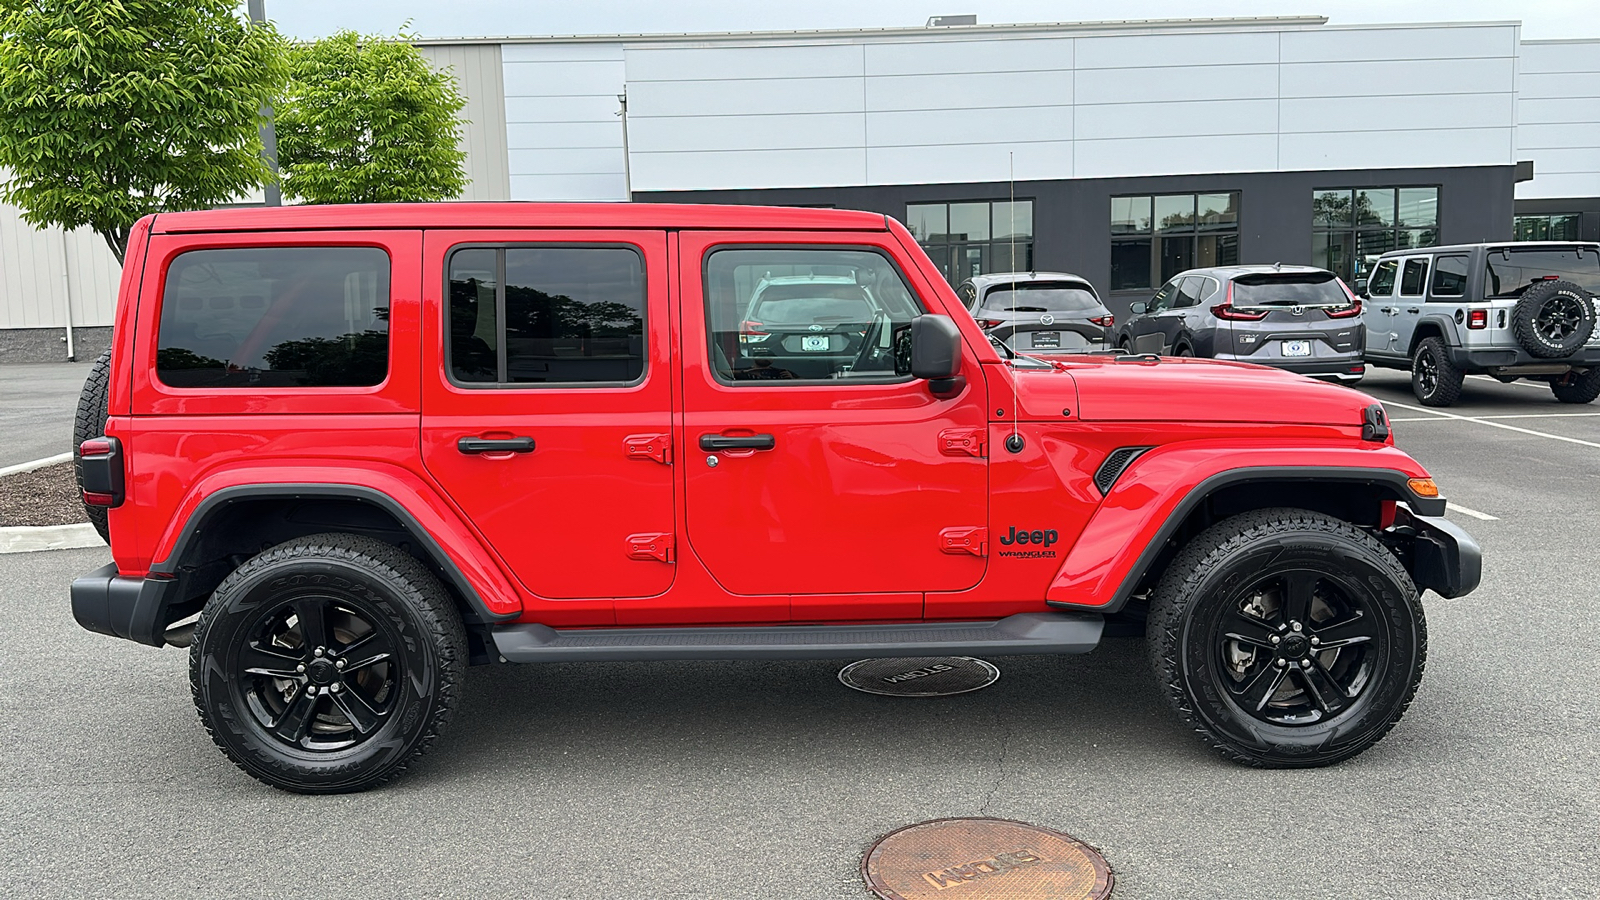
[
  {"x": 1352, "y": 227},
  {"x": 1560, "y": 227},
  {"x": 967, "y": 239},
  {"x": 1154, "y": 237}
]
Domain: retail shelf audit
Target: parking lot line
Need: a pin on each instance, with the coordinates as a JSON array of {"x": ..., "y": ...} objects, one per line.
[
  {"x": 1481, "y": 421},
  {"x": 1453, "y": 506},
  {"x": 1517, "y": 416}
]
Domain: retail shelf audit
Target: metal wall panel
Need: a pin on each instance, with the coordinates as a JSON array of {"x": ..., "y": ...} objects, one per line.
[
  {"x": 1396, "y": 149},
  {"x": 969, "y": 56},
  {"x": 1003, "y": 125},
  {"x": 1397, "y": 77},
  {"x": 563, "y": 131},
  {"x": 1124, "y": 157},
  {"x": 1558, "y": 118},
  {"x": 41, "y": 268},
  {"x": 1457, "y": 41},
  {"x": 1367, "y": 114},
  {"x": 796, "y": 131},
  {"x": 479, "y": 73},
  {"x": 1182, "y": 50},
  {"x": 1119, "y": 86},
  {"x": 1185, "y": 118},
  {"x": 986, "y": 162},
  {"x": 735, "y": 63}
]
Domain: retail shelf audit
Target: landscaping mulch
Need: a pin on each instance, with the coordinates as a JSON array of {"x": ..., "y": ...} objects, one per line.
[{"x": 47, "y": 496}]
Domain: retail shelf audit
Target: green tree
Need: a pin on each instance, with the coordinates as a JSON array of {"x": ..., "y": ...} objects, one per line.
[
  {"x": 367, "y": 120},
  {"x": 114, "y": 109}
]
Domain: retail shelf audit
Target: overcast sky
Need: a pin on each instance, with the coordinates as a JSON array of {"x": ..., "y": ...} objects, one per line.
[{"x": 458, "y": 18}]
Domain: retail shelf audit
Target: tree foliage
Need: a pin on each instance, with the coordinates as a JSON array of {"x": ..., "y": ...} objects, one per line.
[
  {"x": 367, "y": 120},
  {"x": 114, "y": 109}
]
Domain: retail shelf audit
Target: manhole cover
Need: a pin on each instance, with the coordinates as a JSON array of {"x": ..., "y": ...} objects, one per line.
[
  {"x": 984, "y": 859},
  {"x": 919, "y": 676}
]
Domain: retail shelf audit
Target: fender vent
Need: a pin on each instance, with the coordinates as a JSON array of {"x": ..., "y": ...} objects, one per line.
[{"x": 1112, "y": 468}]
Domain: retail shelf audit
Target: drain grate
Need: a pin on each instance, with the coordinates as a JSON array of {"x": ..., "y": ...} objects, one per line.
[
  {"x": 988, "y": 859},
  {"x": 919, "y": 676}
]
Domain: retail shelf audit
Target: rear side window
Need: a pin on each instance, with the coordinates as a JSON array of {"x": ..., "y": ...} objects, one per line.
[
  {"x": 1509, "y": 272},
  {"x": 546, "y": 315},
  {"x": 1041, "y": 296},
  {"x": 261, "y": 317},
  {"x": 1450, "y": 276},
  {"x": 1413, "y": 277},
  {"x": 1314, "y": 289}
]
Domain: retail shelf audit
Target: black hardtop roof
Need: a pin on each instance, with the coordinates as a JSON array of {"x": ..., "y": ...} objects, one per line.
[{"x": 1515, "y": 245}]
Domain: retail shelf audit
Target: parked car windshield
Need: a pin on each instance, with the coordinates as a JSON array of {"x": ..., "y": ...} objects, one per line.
[
  {"x": 1041, "y": 296},
  {"x": 1511, "y": 271},
  {"x": 1304, "y": 289}
]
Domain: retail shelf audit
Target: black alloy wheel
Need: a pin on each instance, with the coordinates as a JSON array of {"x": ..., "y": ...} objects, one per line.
[
  {"x": 1288, "y": 638},
  {"x": 1553, "y": 318},
  {"x": 1559, "y": 318},
  {"x": 327, "y": 664},
  {"x": 1435, "y": 380}
]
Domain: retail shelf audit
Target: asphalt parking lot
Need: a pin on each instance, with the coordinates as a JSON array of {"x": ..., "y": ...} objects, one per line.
[
  {"x": 734, "y": 780},
  {"x": 37, "y": 404}
]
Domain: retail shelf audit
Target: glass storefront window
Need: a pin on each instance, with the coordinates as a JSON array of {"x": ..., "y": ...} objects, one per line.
[
  {"x": 1375, "y": 208},
  {"x": 1195, "y": 230},
  {"x": 1559, "y": 227},
  {"x": 1130, "y": 215},
  {"x": 1175, "y": 213},
  {"x": 1352, "y": 227},
  {"x": 928, "y": 221},
  {"x": 1419, "y": 208},
  {"x": 974, "y": 237}
]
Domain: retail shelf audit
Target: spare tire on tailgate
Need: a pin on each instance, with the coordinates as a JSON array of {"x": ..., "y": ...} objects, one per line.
[
  {"x": 91, "y": 423},
  {"x": 1553, "y": 319}
]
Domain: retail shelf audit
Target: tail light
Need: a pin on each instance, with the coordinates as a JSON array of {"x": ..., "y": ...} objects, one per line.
[
  {"x": 752, "y": 332},
  {"x": 101, "y": 467},
  {"x": 1478, "y": 319},
  {"x": 1104, "y": 321},
  {"x": 1354, "y": 309},
  {"x": 988, "y": 323},
  {"x": 1226, "y": 311}
]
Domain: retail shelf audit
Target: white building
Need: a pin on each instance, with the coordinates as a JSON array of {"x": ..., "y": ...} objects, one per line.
[{"x": 1130, "y": 148}]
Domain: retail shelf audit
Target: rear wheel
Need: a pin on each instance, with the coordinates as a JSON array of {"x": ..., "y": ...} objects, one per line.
[
  {"x": 327, "y": 664},
  {"x": 1287, "y": 638},
  {"x": 1574, "y": 387},
  {"x": 1435, "y": 380}
]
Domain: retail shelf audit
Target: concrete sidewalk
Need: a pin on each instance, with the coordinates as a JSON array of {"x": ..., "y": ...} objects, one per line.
[{"x": 37, "y": 403}]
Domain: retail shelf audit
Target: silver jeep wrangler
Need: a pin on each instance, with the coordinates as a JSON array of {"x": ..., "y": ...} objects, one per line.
[{"x": 1507, "y": 310}]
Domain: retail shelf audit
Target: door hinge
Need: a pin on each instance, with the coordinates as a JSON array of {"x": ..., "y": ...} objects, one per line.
[
  {"x": 964, "y": 442},
  {"x": 654, "y": 545},
  {"x": 965, "y": 540},
  {"x": 649, "y": 446}
]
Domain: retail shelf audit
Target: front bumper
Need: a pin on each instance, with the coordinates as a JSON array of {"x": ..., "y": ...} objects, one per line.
[
  {"x": 132, "y": 608},
  {"x": 1444, "y": 558}
]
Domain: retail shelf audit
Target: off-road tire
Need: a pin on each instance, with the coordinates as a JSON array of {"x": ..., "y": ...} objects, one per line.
[
  {"x": 1553, "y": 319},
  {"x": 90, "y": 422},
  {"x": 1574, "y": 387},
  {"x": 406, "y": 604},
  {"x": 1435, "y": 380},
  {"x": 1217, "y": 568}
]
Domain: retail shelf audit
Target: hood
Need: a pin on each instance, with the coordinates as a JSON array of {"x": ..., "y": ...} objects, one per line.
[{"x": 1188, "y": 390}]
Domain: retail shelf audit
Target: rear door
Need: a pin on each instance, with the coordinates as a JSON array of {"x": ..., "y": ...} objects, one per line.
[
  {"x": 1412, "y": 289},
  {"x": 547, "y": 403},
  {"x": 833, "y": 476}
]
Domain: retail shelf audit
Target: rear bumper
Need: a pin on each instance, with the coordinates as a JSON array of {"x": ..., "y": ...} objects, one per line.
[
  {"x": 1478, "y": 359},
  {"x": 131, "y": 608},
  {"x": 1444, "y": 558},
  {"x": 1349, "y": 368}
]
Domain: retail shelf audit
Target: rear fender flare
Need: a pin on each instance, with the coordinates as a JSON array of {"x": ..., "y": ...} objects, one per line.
[
  {"x": 432, "y": 523},
  {"x": 1155, "y": 495},
  {"x": 1445, "y": 325}
]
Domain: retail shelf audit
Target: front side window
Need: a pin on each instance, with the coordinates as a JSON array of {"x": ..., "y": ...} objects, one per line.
[
  {"x": 1382, "y": 284},
  {"x": 1413, "y": 278},
  {"x": 1450, "y": 276},
  {"x": 1155, "y": 237},
  {"x": 1163, "y": 298},
  {"x": 807, "y": 314},
  {"x": 546, "y": 315},
  {"x": 263, "y": 317}
]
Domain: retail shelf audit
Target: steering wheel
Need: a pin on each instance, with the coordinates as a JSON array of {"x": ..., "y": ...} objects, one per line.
[{"x": 870, "y": 352}]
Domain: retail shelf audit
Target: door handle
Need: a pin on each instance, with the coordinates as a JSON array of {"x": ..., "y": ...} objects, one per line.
[
  {"x": 1412, "y": 310},
  {"x": 471, "y": 445},
  {"x": 723, "y": 442}
]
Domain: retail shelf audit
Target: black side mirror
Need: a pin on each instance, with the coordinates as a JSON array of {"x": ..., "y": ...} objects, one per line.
[
  {"x": 936, "y": 353},
  {"x": 1138, "y": 307}
]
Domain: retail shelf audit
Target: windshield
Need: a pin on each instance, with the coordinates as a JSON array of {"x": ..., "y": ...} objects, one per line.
[
  {"x": 1041, "y": 296},
  {"x": 1510, "y": 272},
  {"x": 1314, "y": 289}
]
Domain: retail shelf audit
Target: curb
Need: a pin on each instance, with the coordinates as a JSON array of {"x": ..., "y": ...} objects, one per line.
[
  {"x": 19, "y": 468},
  {"x": 29, "y": 538}
]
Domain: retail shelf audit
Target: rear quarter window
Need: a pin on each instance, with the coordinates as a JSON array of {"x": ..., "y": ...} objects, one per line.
[{"x": 263, "y": 317}]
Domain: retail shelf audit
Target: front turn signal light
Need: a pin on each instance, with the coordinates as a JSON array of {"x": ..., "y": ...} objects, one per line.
[{"x": 1423, "y": 487}]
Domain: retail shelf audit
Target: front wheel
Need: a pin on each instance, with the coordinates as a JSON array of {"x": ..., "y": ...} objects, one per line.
[
  {"x": 327, "y": 664},
  {"x": 1288, "y": 638}
]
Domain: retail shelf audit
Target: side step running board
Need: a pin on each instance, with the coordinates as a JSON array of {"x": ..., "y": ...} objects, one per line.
[{"x": 1021, "y": 633}]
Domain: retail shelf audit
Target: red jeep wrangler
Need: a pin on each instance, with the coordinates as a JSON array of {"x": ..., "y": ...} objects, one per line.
[{"x": 341, "y": 453}]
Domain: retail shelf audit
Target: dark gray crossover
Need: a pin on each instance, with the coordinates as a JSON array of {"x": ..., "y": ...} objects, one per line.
[
  {"x": 1038, "y": 311},
  {"x": 1289, "y": 317},
  {"x": 1507, "y": 310}
]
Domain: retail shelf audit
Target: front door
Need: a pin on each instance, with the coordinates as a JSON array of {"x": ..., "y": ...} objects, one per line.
[
  {"x": 547, "y": 407},
  {"x": 814, "y": 463},
  {"x": 1413, "y": 286},
  {"x": 1147, "y": 331},
  {"x": 1378, "y": 313}
]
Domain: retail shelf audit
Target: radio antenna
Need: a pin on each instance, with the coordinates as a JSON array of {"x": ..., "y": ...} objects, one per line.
[{"x": 1014, "y": 442}]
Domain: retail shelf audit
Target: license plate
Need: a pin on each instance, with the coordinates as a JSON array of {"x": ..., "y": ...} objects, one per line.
[
  {"x": 1047, "y": 338},
  {"x": 1296, "y": 348},
  {"x": 814, "y": 342}
]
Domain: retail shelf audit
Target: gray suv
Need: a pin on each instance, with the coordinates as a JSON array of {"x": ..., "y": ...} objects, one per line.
[
  {"x": 1296, "y": 318},
  {"x": 1507, "y": 310},
  {"x": 1046, "y": 312}
]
